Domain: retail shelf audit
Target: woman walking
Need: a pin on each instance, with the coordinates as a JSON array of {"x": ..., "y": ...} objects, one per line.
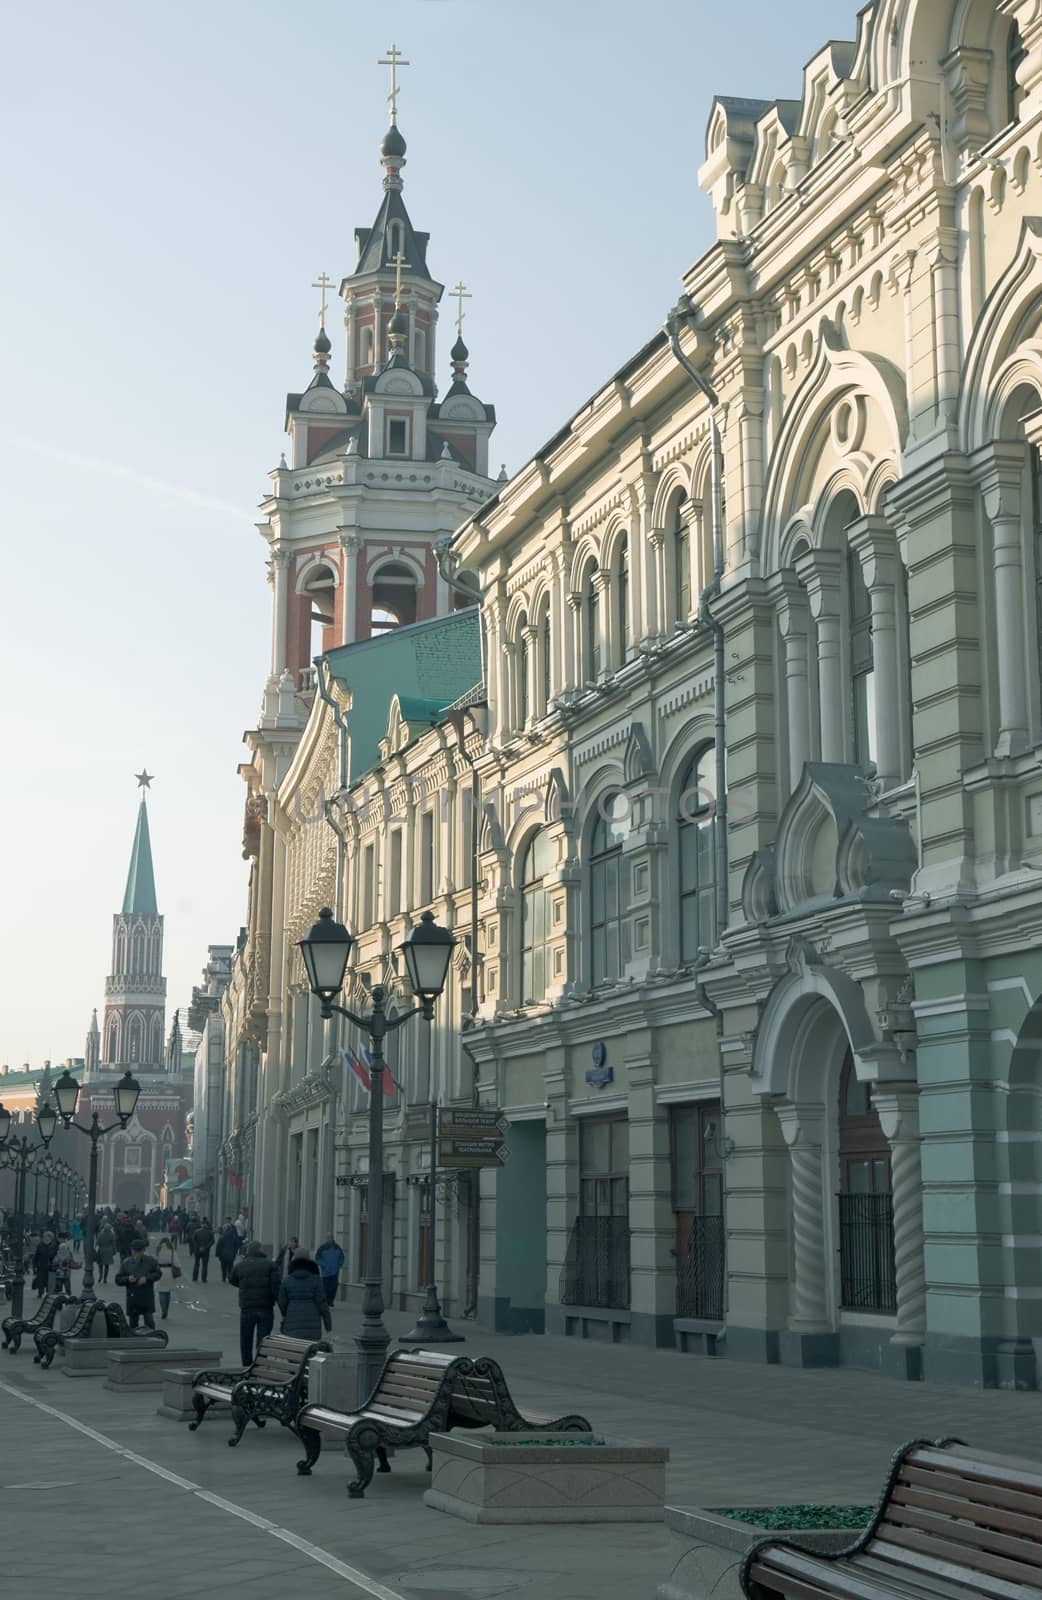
[
  {"x": 104, "y": 1250},
  {"x": 169, "y": 1273},
  {"x": 302, "y": 1300}
]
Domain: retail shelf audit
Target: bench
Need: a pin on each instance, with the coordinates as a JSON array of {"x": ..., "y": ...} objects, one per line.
[
  {"x": 953, "y": 1524},
  {"x": 274, "y": 1386},
  {"x": 48, "y": 1340},
  {"x": 420, "y": 1393},
  {"x": 43, "y": 1317}
]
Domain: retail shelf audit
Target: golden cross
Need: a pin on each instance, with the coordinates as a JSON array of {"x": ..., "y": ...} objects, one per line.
[
  {"x": 393, "y": 59},
  {"x": 322, "y": 282},
  {"x": 400, "y": 265},
  {"x": 461, "y": 293}
]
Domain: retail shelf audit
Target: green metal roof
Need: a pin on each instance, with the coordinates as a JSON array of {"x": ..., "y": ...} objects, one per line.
[
  {"x": 427, "y": 665},
  {"x": 140, "y": 895}
]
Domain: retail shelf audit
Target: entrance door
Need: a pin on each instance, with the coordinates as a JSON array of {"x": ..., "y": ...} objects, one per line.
[
  {"x": 698, "y": 1209},
  {"x": 866, "y": 1212}
]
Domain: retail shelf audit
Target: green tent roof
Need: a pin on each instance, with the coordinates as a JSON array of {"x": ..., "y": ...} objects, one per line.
[
  {"x": 426, "y": 663},
  {"x": 140, "y": 895}
]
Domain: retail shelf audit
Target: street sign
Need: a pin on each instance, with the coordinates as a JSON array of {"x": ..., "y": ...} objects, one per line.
[
  {"x": 462, "y": 1151},
  {"x": 462, "y": 1119}
]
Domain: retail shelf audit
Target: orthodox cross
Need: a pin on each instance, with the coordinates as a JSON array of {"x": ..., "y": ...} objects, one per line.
[
  {"x": 322, "y": 283},
  {"x": 393, "y": 59},
  {"x": 461, "y": 293},
  {"x": 400, "y": 265}
]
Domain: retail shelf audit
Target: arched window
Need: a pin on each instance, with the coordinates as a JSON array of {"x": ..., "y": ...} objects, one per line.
[
  {"x": 622, "y": 601},
  {"x": 135, "y": 1039},
  {"x": 113, "y": 1050},
  {"x": 419, "y": 350},
  {"x": 394, "y": 598},
  {"x": 866, "y": 1219},
  {"x": 365, "y": 347},
  {"x": 536, "y": 865},
  {"x": 591, "y": 624},
  {"x": 1016, "y": 55},
  {"x": 522, "y": 668},
  {"x": 137, "y": 950},
  {"x": 679, "y": 535},
  {"x": 319, "y": 586},
  {"x": 862, "y": 665},
  {"x": 395, "y": 240},
  {"x": 696, "y": 809},
  {"x": 607, "y": 952}
]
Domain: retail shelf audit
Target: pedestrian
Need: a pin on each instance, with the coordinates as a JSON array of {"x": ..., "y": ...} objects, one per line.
[
  {"x": 227, "y": 1248},
  {"x": 169, "y": 1273},
  {"x": 64, "y": 1261},
  {"x": 241, "y": 1227},
  {"x": 139, "y": 1274},
  {"x": 104, "y": 1250},
  {"x": 202, "y": 1244},
  {"x": 330, "y": 1260},
  {"x": 302, "y": 1300},
  {"x": 257, "y": 1280},
  {"x": 174, "y": 1230},
  {"x": 43, "y": 1263},
  {"x": 77, "y": 1235},
  {"x": 285, "y": 1256},
  {"x": 124, "y": 1230}
]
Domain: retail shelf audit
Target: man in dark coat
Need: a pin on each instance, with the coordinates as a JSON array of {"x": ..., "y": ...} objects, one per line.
[
  {"x": 139, "y": 1274},
  {"x": 257, "y": 1280},
  {"x": 302, "y": 1300},
  {"x": 202, "y": 1244},
  {"x": 227, "y": 1248}
]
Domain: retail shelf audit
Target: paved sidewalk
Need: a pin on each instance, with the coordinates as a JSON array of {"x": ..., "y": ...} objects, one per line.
[{"x": 93, "y": 1518}]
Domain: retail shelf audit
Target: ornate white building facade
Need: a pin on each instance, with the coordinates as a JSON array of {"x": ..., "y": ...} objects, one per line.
[{"x": 770, "y": 1051}]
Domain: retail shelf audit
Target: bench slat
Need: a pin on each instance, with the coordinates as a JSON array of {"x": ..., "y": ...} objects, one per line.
[
  {"x": 928, "y": 1580},
  {"x": 1018, "y": 1472},
  {"x": 985, "y": 1493},
  {"x": 1027, "y": 1551},
  {"x": 942, "y": 1549},
  {"x": 811, "y": 1586},
  {"x": 950, "y": 1505}
]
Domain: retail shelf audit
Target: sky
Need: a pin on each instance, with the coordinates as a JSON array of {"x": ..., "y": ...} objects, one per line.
[{"x": 175, "y": 179}]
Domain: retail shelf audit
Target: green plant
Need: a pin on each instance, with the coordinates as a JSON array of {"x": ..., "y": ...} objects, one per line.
[{"x": 783, "y": 1518}]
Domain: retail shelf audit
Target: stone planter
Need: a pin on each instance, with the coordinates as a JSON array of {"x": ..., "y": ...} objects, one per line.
[
  {"x": 177, "y": 1390},
  {"x": 509, "y": 1477},
  {"x": 706, "y": 1552},
  {"x": 146, "y": 1368}
]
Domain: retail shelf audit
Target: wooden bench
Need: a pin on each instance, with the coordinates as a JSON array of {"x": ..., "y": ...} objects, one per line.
[
  {"x": 116, "y": 1326},
  {"x": 953, "y": 1524},
  {"x": 420, "y": 1393},
  {"x": 43, "y": 1317},
  {"x": 274, "y": 1386}
]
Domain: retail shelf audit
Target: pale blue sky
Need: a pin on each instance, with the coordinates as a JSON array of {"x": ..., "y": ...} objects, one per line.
[{"x": 175, "y": 179}]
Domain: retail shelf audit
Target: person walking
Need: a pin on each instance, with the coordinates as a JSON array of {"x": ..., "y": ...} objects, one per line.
[
  {"x": 104, "y": 1250},
  {"x": 285, "y": 1257},
  {"x": 242, "y": 1228},
  {"x": 174, "y": 1230},
  {"x": 330, "y": 1260},
  {"x": 302, "y": 1300},
  {"x": 169, "y": 1274},
  {"x": 139, "y": 1274},
  {"x": 202, "y": 1244},
  {"x": 77, "y": 1235},
  {"x": 256, "y": 1277},
  {"x": 227, "y": 1248},
  {"x": 43, "y": 1263},
  {"x": 64, "y": 1261}
]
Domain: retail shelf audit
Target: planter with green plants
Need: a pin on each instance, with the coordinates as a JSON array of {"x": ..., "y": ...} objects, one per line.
[{"x": 707, "y": 1545}]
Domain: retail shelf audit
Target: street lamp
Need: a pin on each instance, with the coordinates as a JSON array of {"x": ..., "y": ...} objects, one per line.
[
  {"x": 21, "y": 1157},
  {"x": 67, "y": 1094},
  {"x": 427, "y": 954}
]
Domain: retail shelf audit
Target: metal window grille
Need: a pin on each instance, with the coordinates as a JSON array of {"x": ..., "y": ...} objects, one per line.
[
  {"x": 700, "y": 1271},
  {"x": 866, "y": 1252},
  {"x": 597, "y": 1264}
]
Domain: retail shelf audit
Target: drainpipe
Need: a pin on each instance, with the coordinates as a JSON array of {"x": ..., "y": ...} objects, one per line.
[
  {"x": 682, "y": 311},
  {"x": 338, "y": 1084}
]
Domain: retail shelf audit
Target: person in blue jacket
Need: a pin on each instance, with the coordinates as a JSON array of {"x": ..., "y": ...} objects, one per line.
[{"x": 330, "y": 1260}]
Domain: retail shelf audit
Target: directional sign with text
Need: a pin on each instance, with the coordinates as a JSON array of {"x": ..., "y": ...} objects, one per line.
[
  {"x": 471, "y": 1138},
  {"x": 465, "y": 1119}
]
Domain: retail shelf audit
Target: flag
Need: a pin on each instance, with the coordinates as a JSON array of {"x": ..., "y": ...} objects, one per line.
[
  {"x": 234, "y": 1180},
  {"x": 390, "y": 1082},
  {"x": 352, "y": 1061}
]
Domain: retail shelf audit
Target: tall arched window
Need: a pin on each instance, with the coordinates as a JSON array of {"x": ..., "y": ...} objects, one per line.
[
  {"x": 536, "y": 865},
  {"x": 521, "y": 688},
  {"x": 696, "y": 809},
  {"x": 394, "y": 598},
  {"x": 679, "y": 536},
  {"x": 862, "y": 674},
  {"x": 607, "y": 952},
  {"x": 622, "y": 601},
  {"x": 866, "y": 1218},
  {"x": 319, "y": 586},
  {"x": 365, "y": 347},
  {"x": 591, "y": 624}
]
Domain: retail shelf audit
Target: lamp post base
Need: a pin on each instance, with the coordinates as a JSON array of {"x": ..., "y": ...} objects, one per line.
[{"x": 431, "y": 1327}]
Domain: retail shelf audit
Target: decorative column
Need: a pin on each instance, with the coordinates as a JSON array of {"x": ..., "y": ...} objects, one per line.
[
  {"x": 529, "y": 665},
  {"x": 350, "y": 544},
  {"x": 897, "y": 1105},
  {"x": 509, "y": 652},
  {"x": 803, "y": 1128},
  {"x": 658, "y": 623},
  {"x": 558, "y": 624},
  {"x": 572, "y": 647},
  {"x": 821, "y": 573},
  {"x": 601, "y": 581},
  {"x": 875, "y": 545},
  {"x": 279, "y": 575},
  {"x": 790, "y": 598},
  {"x": 1000, "y": 471}
]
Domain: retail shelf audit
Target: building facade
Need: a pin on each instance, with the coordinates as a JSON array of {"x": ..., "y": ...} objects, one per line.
[{"x": 757, "y": 980}]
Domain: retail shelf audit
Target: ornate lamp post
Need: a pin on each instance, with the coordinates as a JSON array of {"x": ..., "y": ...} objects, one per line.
[
  {"x": 67, "y": 1094},
  {"x": 427, "y": 952},
  {"x": 21, "y": 1157}
]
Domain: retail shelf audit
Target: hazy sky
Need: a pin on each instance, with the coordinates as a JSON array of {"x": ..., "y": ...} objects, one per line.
[{"x": 175, "y": 178}]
